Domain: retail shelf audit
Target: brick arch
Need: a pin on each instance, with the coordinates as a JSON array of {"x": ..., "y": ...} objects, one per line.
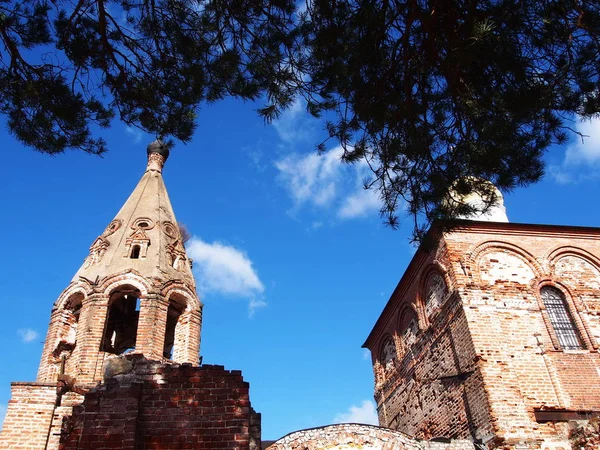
[
  {"x": 474, "y": 256},
  {"x": 565, "y": 251},
  {"x": 79, "y": 288},
  {"x": 434, "y": 267},
  {"x": 421, "y": 301},
  {"x": 182, "y": 327},
  {"x": 346, "y": 436},
  {"x": 193, "y": 302},
  {"x": 384, "y": 373},
  {"x": 568, "y": 250},
  {"x": 124, "y": 278},
  {"x": 386, "y": 336},
  {"x": 404, "y": 311}
]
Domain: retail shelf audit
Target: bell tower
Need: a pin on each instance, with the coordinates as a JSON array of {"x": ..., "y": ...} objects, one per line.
[
  {"x": 134, "y": 293},
  {"x": 120, "y": 364}
]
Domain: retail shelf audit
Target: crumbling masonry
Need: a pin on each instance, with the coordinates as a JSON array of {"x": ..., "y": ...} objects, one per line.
[{"x": 492, "y": 334}]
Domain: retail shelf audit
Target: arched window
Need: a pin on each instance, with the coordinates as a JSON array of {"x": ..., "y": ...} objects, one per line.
[
  {"x": 388, "y": 354},
  {"x": 560, "y": 318},
  {"x": 435, "y": 293},
  {"x": 67, "y": 332},
  {"x": 174, "y": 328},
  {"x": 120, "y": 331},
  {"x": 409, "y": 329},
  {"x": 135, "y": 252}
]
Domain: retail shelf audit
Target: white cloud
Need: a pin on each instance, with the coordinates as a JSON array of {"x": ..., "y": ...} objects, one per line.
[
  {"x": 294, "y": 124},
  {"x": 27, "y": 334},
  {"x": 360, "y": 204},
  {"x": 2, "y": 414},
  {"x": 582, "y": 154},
  {"x": 255, "y": 304},
  {"x": 135, "y": 133},
  {"x": 311, "y": 178},
  {"x": 224, "y": 269},
  {"x": 366, "y": 354},
  {"x": 586, "y": 150},
  {"x": 325, "y": 182},
  {"x": 365, "y": 413}
]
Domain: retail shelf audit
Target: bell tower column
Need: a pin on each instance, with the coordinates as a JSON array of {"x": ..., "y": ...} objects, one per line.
[{"x": 152, "y": 327}]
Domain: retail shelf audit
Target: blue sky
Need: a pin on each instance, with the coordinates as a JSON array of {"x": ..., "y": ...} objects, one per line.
[{"x": 292, "y": 261}]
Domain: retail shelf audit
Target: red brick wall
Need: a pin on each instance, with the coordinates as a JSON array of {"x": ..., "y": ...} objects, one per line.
[
  {"x": 27, "y": 422},
  {"x": 501, "y": 335},
  {"x": 162, "y": 406},
  {"x": 437, "y": 389},
  {"x": 523, "y": 366}
]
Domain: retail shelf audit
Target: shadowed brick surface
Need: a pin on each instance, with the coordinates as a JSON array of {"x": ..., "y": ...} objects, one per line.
[{"x": 166, "y": 407}]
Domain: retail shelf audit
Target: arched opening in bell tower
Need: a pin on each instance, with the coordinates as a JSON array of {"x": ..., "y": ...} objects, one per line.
[
  {"x": 66, "y": 333},
  {"x": 175, "y": 336},
  {"x": 120, "y": 331}
]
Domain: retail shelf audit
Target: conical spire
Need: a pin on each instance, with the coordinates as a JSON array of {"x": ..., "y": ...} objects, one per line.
[
  {"x": 144, "y": 235},
  {"x": 134, "y": 292}
]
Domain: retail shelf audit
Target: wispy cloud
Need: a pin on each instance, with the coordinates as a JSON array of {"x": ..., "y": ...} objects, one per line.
[
  {"x": 365, "y": 413},
  {"x": 27, "y": 334},
  {"x": 135, "y": 133},
  {"x": 360, "y": 204},
  {"x": 311, "y": 178},
  {"x": 257, "y": 158},
  {"x": 295, "y": 124},
  {"x": 254, "y": 305},
  {"x": 582, "y": 157},
  {"x": 324, "y": 181},
  {"x": 223, "y": 269}
]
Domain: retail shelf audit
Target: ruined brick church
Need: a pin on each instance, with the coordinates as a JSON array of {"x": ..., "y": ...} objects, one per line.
[
  {"x": 490, "y": 340},
  {"x": 492, "y": 334}
]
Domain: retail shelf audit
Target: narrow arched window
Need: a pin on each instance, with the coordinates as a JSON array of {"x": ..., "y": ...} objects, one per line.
[
  {"x": 135, "y": 252},
  {"x": 560, "y": 318},
  {"x": 435, "y": 294},
  {"x": 388, "y": 354},
  {"x": 173, "y": 315}
]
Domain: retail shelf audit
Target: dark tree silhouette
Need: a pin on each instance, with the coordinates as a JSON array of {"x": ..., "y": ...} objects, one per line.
[
  {"x": 431, "y": 93},
  {"x": 68, "y": 66},
  {"x": 434, "y": 91}
]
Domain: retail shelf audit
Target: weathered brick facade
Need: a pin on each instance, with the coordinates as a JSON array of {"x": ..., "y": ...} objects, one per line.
[{"x": 492, "y": 334}]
